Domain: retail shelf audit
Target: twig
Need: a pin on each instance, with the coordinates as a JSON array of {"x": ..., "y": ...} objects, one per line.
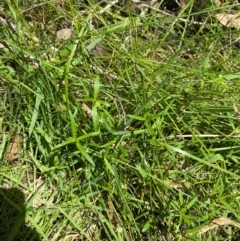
[
  {"x": 170, "y": 15},
  {"x": 200, "y": 136},
  {"x": 34, "y": 6}
]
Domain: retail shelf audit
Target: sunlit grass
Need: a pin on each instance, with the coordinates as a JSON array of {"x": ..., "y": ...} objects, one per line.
[{"x": 129, "y": 129}]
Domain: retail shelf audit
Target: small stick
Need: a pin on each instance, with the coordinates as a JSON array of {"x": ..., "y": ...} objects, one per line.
[
  {"x": 200, "y": 136},
  {"x": 109, "y": 6},
  {"x": 170, "y": 15}
]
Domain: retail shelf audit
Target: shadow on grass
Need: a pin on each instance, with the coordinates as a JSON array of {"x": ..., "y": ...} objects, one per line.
[{"x": 12, "y": 217}]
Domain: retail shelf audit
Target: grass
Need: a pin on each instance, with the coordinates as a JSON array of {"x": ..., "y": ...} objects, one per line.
[{"x": 128, "y": 130}]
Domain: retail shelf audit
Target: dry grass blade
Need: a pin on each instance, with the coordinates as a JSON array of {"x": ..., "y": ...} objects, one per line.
[
  {"x": 181, "y": 184},
  {"x": 229, "y": 20},
  {"x": 15, "y": 149},
  {"x": 126, "y": 130},
  {"x": 87, "y": 109},
  {"x": 219, "y": 222}
]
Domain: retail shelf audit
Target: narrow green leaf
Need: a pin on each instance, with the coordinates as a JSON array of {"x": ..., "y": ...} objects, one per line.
[
  {"x": 141, "y": 171},
  {"x": 84, "y": 153},
  {"x": 215, "y": 158},
  {"x": 39, "y": 98},
  {"x": 73, "y": 125},
  {"x": 72, "y": 140},
  {"x": 135, "y": 117},
  {"x": 109, "y": 166},
  {"x": 95, "y": 118},
  {"x": 147, "y": 225},
  {"x": 15, "y": 229},
  {"x": 201, "y": 160},
  {"x": 192, "y": 202},
  {"x": 142, "y": 107},
  {"x": 93, "y": 44},
  {"x": 96, "y": 87}
]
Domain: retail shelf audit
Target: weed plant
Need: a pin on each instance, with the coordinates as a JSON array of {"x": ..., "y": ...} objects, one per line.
[{"x": 128, "y": 130}]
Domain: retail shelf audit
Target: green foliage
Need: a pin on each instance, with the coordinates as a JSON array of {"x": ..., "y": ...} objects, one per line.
[{"x": 130, "y": 127}]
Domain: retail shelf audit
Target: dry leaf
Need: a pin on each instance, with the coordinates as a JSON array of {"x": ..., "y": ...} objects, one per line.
[
  {"x": 100, "y": 51},
  {"x": 219, "y": 222},
  {"x": 65, "y": 33},
  {"x": 14, "y": 151},
  {"x": 229, "y": 20},
  {"x": 111, "y": 208},
  {"x": 181, "y": 184},
  {"x": 182, "y": 3},
  {"x": 218, "y": 3}
]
